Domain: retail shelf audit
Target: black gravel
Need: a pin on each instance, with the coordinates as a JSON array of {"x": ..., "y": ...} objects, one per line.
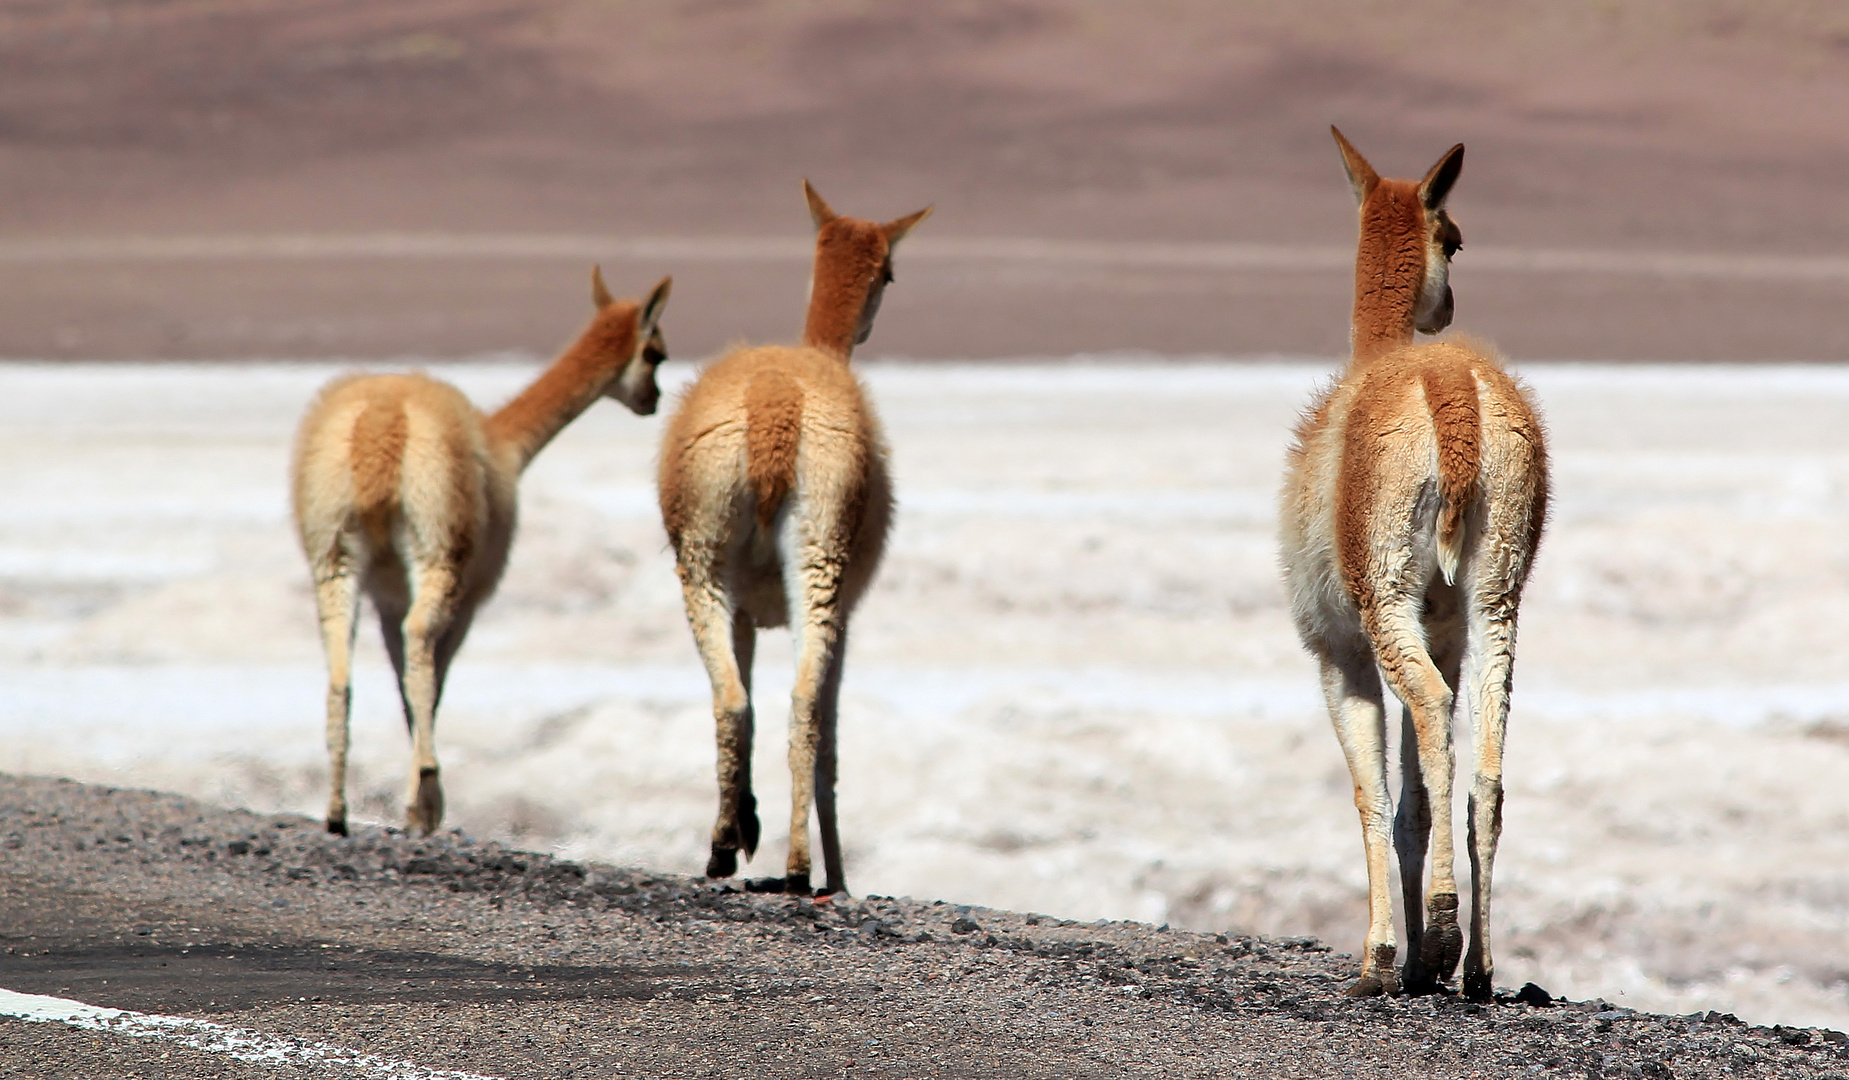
[{"x": 458, "y": 954}]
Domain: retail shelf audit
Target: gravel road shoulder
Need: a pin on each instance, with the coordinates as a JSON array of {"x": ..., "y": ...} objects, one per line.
[{"x": 456, "y": 954}]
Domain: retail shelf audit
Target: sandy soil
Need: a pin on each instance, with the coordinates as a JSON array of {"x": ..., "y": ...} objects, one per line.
[
  {"x": 1709, "y": 127},
  {"x": 1074, "y": 689}
]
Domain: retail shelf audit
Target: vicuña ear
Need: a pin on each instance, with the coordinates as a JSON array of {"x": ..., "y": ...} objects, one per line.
[
  {"x": 1437, "y": 183},
  {"x": 818, "y": 210},
  {"x": 1361, "y": 175},
  {"x": 600, "y": 293},
  {"x": 896, "y": 229},
  {"x": 653, "y": 306}
]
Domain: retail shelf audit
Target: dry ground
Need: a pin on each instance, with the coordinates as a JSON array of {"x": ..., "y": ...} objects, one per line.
[{"x": 454, "y": 954}]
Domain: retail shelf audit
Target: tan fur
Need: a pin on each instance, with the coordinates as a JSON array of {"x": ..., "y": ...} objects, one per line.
[
  {"x": 377, "y": 450},
  {"x": 776, "y": 499},
  {"x": 1411, "y": 511},
  {"x": 773, "y": 429},
  {"x": 402, "y": 489}
]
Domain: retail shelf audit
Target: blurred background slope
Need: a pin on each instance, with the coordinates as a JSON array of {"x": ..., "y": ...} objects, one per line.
[{"x": 1608, "y": 144}]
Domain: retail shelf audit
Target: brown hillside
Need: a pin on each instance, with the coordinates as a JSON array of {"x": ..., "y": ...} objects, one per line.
[{"x": 1689, "y": 127}]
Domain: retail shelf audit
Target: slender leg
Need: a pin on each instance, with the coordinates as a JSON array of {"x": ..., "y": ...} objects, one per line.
[
  {"x": 433, "y": 606},
  {"x": 1412, "y": 830},
  {"x": 744, "y": 651},
  {"x": 1431, "y": 959},
  {"x": 1352, "y": 689},
  {"x": 814, "y": 581},
  {"x": 392, "y": 611},
  {"x": 827, "y": 714},
  {"x": 715, "y": 633},
  {"x": 1415, "y": 679},
  {"x": 337, "y": 602},
  {"x": 450, "y": 643},
  {"x": 1490, "y": 675}
]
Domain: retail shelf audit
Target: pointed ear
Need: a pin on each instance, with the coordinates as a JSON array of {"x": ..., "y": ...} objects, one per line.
[
  {"x": 600, "y": 293},
  {"x": 896, "y": 229},
  {"x": 653, "y": 306},
  {"x": 818, "y": 210},
  {"x": 1437, "y": 183},
  {"x": 1361, "y": 175}
]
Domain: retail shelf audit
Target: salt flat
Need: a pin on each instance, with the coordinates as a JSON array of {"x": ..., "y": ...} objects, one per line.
[{"x": 1074, "y": 689}]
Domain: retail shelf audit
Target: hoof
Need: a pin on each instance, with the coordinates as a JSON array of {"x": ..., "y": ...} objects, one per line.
[
  {"x": 797, "y": 885},
  {"x": 1444, "y": 941},
  {"x": 337, "y": 826},
  {"x": 425, "y": 811},
  {"x": 1477, "y": 987},
  {"x": 764, "y": 884},
  {"x": 748, "y": 824},
  {"x": 722, "y": 863},
  {"x": 1416, "y": 981},
  {"x": 1365, "y": 987}
]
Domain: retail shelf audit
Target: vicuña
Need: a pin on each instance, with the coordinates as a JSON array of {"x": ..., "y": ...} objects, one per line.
[
  {"x": 1413, "y": 504},
  {"x": 404, "y": 490},
  {"x": 775, "y": 494}
]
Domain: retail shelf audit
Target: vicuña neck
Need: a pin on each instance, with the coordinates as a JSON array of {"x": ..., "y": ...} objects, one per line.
[
  {"x": 844, "y": 274},
  {"x": 1389, "y": 274},
  {"x": 567, "y": 388}
]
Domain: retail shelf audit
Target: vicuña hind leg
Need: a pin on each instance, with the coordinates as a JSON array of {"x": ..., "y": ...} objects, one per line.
[
  {"x": 1492, "y": 663},
  {"x": 725, "y": 644},
  {"x": 814, "y": 580},
  {"x": 1352, "y": 690},
  {"x": 337, "y": 601},
  {"x": 1431, "y": 958},
  {"x": 432, "y": 607},
  {"x": 744, "y": 650}
]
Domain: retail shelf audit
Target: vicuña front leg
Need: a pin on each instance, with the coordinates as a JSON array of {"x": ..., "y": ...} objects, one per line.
[
  {"x": 1412, "y": 834},
  {"x": 827, "y": 713},
  {"x": 1352, "y": 690},
  {"x": 1418, "y": 683}
]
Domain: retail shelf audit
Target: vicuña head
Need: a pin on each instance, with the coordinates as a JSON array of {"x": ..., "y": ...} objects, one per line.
[
  {"x": 403, "y": 489},
  {"x": 1403, "y": 267},
  {"x": 616, "y": 327},
  {"x": 853, "y": 266}
]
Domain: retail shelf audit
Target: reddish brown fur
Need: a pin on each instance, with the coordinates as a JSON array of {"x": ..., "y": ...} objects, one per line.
[
  {"x": 1451, "y": 396},
  {"x": 773, "y": 430},
  {"x": 1392, "y": 253},
  {"x": 1416, "y": 497},
  {"x": 377, "y": 451},
  {"x": 850, "y": 258},
  {"x": 568, "y": 387}
]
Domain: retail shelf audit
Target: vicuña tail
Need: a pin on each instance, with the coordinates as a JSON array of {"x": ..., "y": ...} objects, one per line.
[
  {"x": 377, "y": 461},
  {"x": 1451, "y": 395},
  {"x": 773, "y": 430}
]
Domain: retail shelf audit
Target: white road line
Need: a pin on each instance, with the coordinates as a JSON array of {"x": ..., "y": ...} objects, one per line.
[
  {"x": 252, "y": 1046},
  {"x": 1017, "y": 251}
]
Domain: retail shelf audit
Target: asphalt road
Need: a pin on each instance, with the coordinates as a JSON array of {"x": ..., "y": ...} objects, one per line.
[{"x": 385, "y": 955}]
